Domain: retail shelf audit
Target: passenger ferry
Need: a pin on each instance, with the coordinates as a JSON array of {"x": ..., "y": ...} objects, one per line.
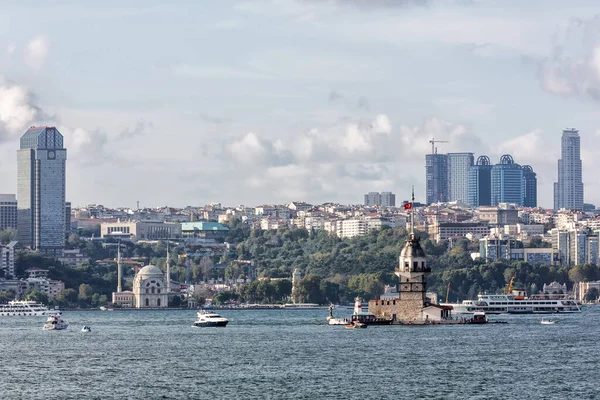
[
  {"x": 518, "y": 303},
  {"x": 17, "y": 308}
]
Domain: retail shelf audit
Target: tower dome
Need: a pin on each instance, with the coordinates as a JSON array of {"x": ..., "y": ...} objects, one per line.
[{"x": 413, "y": 258}]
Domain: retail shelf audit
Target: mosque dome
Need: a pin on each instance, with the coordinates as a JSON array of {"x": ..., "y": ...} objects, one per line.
[{"x": 150, "y": 271}]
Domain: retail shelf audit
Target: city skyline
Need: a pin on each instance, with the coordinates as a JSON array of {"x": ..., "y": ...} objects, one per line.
[{"x": 245, "y": 120}]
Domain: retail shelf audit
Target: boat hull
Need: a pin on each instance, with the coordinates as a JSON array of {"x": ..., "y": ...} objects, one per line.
[{"x": 211, "y": 324}]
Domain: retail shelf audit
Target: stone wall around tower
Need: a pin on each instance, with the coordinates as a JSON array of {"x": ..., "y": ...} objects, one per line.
[{"x": 407, "y": 309}]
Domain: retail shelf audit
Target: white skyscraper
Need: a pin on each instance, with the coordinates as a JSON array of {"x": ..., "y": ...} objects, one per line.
[
  {"x": 568, "y": 191},
  {"x": 459, "y": 165},
  {"x": 41, "y": 164}
]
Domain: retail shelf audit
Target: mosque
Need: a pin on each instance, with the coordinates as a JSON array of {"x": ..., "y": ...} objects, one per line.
[{"x": 151, "y": 288}]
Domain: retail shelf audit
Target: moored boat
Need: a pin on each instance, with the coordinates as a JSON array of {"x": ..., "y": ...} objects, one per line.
[
  {"x": 548, "y": 321},
  {"x": 518, "y": 303},
  {"x": 366, "y": 317},
  {"x": 331, "y": 320}
]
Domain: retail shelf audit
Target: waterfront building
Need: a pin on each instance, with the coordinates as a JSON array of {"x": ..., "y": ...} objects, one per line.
[
  {"x": 296, "y": 276},
  {"x": 149, "y": 288},
  {"x": 529, "y": 187},
  {"x": 583, "y": 288},
  {"x": 436, "y": 178},
  {"x": 479, "y": 183},
  {"x": 568, "y": 191},
  {"x": 8, "y": 211},
  {"x": 41, "y": 165},
  {"x": 507, "y": 182},
  {"x": 459, "y": 165}
]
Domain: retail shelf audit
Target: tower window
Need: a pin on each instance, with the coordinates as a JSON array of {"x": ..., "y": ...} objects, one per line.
[{"x": 416, "y": 265}]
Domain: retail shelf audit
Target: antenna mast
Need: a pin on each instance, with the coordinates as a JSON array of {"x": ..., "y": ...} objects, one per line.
[{"x": 412, "y": 212}]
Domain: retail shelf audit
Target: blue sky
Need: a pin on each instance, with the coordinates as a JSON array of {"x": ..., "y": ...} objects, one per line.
[{"x": 271, "y": 101}]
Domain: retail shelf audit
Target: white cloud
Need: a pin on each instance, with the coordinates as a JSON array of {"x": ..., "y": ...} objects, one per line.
[
  {"x": 573, "y": 68},
  {"x": 17, "y": 110},
  {"x": 37, "y": 52},
  {"x": 11, "y": 48}
]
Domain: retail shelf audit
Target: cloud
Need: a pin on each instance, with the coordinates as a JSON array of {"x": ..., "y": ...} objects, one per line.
[
  {"x": 18, "y": 110},
  {"x": 140, "y": 129},
  {"x": 573, "y": 68},
  {"x": 37, "y": 52},
  {"x": 11, "y": 48},
  {"x": 341, "y": 160}
]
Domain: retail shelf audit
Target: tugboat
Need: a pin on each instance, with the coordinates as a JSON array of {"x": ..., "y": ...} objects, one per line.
[
  {"x": 210, "y": 319},
  {"x": 366, "y": 317},
  {"x": 55, "y": 323}
]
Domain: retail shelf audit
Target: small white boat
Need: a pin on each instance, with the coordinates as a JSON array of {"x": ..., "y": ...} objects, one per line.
[
  {"x": 336, "y": 321},
  {"x": 548, "y": 321},
  {"x": 209, "y": 319},
  {"x": 86, "y": 329},
  {"x": 55, "y": 323}
]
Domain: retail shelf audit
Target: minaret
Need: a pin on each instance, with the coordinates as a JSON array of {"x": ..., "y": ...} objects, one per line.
[
  {"x": 119, "y": 288},
  {"x": 168, "y": 271}
]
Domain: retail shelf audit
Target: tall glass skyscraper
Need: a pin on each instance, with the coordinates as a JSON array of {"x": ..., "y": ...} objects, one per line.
[
  {"x": 507, "y": 182},
  {"x": 480, "y": 183},
  {"x": 529, "y": 187},
  {"x": 568, "y": 191},
  {"x": 41, "y": 164},
  {"x": 458, "y": 176},
  {"x": 436, "y": 177}
]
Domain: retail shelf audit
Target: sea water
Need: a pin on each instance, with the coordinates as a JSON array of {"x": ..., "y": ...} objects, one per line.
[{"x": 292, "y": 354}]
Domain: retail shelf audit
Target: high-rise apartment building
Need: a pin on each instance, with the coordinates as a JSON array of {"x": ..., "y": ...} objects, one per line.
[
  {"x": 529, "y": 187},
  {"x": 41, "y": 165},
  {"x": 568, "y": 191},
  {"x": 384, "y": 199},
  {"x": 458, "y": 176},
  {"x": 436, "y": 178},
  {"x": 480, "y": 183},
  {"x": 507, "y": 182},
  {"x": 8, "y": 211}
]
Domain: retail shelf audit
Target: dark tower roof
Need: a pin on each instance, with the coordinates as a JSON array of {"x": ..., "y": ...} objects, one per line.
[
  {"x": 506, "y": 159},
  {"x": 412, "y": 247},
  {"x": 483, "y": 160}
]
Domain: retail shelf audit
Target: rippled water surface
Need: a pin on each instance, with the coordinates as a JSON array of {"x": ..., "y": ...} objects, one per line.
[{"x": 280, "y": 354}]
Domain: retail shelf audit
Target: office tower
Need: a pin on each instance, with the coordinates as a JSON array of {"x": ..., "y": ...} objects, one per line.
[
  {"x": 480, "y": 183},
  {"x": 507, "y": 182},
  {"x": 458, "y": 176},
  {"x": 436, "y": 178},
  {"x": 568, "y": 191},
  {"x": 41, "y": 163},
  {"x": 384, "y": 199},
  {"x": 8, "y": 211},
  {"x": 529, "y": 187}
]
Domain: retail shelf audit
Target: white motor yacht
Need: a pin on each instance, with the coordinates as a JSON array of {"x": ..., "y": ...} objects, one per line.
[
  {"x": 86, "y": 329},
  {"x": 209, "y": 318},
  {"x": 55, "y": 323}
]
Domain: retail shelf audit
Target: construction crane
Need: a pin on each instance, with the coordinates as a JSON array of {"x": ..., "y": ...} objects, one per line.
[
  {"x": 510, "y": 285},
  {"x": 433, "y": 142}
]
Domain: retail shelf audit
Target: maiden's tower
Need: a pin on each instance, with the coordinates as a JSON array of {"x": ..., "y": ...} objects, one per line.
[{"x": 409, "y": 304}]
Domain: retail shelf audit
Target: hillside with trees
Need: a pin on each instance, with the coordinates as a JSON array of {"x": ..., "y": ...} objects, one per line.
[{"x": 334, "y": 269}]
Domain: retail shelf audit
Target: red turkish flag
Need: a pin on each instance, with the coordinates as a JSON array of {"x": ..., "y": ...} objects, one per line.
[{"x": 407, "y": 206}]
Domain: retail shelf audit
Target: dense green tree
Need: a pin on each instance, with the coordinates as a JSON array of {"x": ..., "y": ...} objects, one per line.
[
  {"x": 34, "y": 295},
  {"x": 7, "y": 235},
  {"x": 592, "y": 294}
]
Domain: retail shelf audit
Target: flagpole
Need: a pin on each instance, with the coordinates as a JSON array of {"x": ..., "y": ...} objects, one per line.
[{"x": 412, "y": 212}]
